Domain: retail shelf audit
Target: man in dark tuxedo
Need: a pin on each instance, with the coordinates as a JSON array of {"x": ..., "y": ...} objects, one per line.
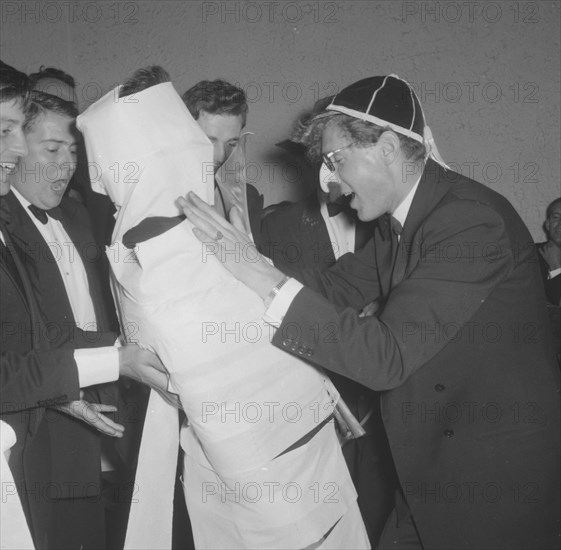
[
  {"x": 460, "y": 345},
  {"x": 53, "y": 236},
  {"x": 42, "y": 369}
]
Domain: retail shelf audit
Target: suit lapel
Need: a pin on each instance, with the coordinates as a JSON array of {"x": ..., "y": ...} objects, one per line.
[
  {"x": 434, "y": 184},
  {"x": 82, "y": 238},
  {"x": 40, "y": 263},
  {"x": 25, "y": 288},
  {"x": 10, "y": 266}
]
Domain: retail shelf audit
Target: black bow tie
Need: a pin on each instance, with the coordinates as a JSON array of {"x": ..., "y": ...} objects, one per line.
[
  {"x": 340, "y": 205},
  {"x": 41, "y": 214}
]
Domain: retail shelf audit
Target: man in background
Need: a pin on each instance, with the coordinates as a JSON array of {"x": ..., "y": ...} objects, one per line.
[
  {"x": 549, "y": 256},
  {"x": 550, "y": 253},
  {"x": 220, "y": 109}
]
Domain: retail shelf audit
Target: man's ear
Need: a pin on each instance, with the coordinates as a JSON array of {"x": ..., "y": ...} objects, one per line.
[{"x": 389, "y": 147}]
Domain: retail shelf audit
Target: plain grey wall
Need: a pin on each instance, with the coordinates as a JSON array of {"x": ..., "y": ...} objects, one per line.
[{"x": 487, "y": 73}]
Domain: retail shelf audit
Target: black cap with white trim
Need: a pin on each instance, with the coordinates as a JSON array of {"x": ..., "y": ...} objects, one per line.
[{"x": 387, "y": 101}]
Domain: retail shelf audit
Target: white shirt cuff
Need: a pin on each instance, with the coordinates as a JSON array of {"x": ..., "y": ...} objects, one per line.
[
  {"x": 97, "y": 365},
  {"x": 281, "y": 302},
  {"x": 554, "y": 272}
]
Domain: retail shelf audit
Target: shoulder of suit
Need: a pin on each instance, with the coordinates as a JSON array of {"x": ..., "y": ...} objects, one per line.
[
  {"x": 72, "y": 206},
  {"x": 462, "y": 188}
]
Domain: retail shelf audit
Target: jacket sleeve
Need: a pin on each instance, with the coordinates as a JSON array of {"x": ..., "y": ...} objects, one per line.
[
  {"x": 46, "y": 378},
  {"x": 351, "y": 282},
  {"x": 38, "y": 379},
  {"x": 383, "y": 352}
]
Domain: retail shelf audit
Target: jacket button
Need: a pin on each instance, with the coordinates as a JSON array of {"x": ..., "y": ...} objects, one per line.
[
  {"x": 439, "y": 387},
  {"x": 309, "y": 352},
  {"x": 286, "y": 343},
  {"x": 301, "y": 350},
  {"x": 448, "y": 433}
]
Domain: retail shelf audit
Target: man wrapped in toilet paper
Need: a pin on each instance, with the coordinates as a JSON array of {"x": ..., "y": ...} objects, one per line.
[{"x": 263, "y": 466}]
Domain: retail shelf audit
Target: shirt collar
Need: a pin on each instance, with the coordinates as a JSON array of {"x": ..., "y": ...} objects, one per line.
[{"x": 400, "y": 213}]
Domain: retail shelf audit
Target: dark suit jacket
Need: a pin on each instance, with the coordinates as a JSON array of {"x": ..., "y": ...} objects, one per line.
[
  {"x": 74, "y": 446},
  {"x": 34, "y": 375},
  {"x": 553, "y": 295},
  {"x": 295, "y": 233},
  {"x": 463, "y": 352},
  {"x": 552, "y": 286}
]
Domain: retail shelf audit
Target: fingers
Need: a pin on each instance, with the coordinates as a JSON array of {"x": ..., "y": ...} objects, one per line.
[
  {"x": 100, "y": 407},
  {"x": 92, "y": 415},
  {"x": 236, "y": 219},
  {"x": 194, "y": 203},
  {"x": 204, "y": 230},
  {"x": 108, "y": 426},
  {"x": 207, "y": 221},
  {"x": 150, "y": 359}
]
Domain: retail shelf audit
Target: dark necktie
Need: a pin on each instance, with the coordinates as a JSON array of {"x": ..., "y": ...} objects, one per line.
[
  {"x": 395, "y": 229},
  {"x": 41, "y": 214}
]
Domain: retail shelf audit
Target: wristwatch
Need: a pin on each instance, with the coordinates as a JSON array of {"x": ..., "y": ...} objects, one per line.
[{"x": 274, "y": 291}]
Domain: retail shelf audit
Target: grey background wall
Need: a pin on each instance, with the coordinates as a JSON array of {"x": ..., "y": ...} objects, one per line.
[{"x": 487, "y": 73}]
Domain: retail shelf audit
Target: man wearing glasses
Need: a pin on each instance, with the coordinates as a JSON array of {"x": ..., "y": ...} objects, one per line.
[{"x": 460, "y": 344}]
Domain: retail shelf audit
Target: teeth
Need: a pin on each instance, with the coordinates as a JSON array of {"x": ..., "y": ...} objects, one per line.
[{"x": 9, "y": 167}]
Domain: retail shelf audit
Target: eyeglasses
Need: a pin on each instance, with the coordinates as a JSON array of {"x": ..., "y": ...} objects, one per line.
[{"x": 328, "y": 159}]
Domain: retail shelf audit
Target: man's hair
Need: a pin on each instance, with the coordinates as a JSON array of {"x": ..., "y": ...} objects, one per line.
[
  {"x": 142, "y": 79},
  {"x": 41, "y": 103},
  {"x": 361, "y": 132},
  {"x": 13, "y": 84},
  {"x": 551, "y": 206},
  {"x": 215, "y": 97},
  {"x": 51, "y": 72}
]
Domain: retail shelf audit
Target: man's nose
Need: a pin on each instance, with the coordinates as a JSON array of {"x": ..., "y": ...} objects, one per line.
[
  {"x": 219, "y": 154},
  {"x": 68, "y": 164}
]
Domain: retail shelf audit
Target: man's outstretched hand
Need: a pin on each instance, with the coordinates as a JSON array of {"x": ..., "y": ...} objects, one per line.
[
  {"x": 233, "y": 248},
  {"x": 91, "y": 413}
]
